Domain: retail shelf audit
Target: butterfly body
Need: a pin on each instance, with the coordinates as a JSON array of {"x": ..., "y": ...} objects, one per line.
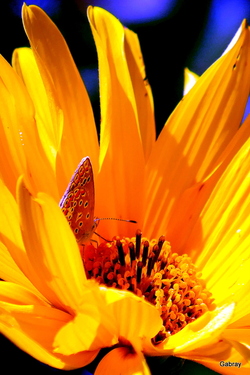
[{"x": 78, "y": 202}]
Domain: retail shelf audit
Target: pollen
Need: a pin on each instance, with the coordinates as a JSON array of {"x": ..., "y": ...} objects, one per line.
[{"x": 151, "y": 270}]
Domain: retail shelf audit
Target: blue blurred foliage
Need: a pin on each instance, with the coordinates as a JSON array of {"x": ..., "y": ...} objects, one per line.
[
  {"x": 137, "y": 11},
  {"x": 224, "y": 19},
  {"x": 51, "y": 7}
]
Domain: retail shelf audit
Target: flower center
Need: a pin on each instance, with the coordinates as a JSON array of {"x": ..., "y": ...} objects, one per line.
[{"x": 151, "y": 270}]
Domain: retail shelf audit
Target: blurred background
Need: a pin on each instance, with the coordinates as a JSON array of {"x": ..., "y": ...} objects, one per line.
[{"x": 174, "y": 34}]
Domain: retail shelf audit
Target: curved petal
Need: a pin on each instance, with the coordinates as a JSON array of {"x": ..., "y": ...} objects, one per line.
[
  {"x": 11, "y": 272},
  {"x": 123, "y": 361},
  {"x": 32, "y": 326},
  {"x": 196, "y": 133},
  {"x": 190, "y": 204},
  {"x": 105, "y": 315},
  {"x": 142, "y": 91},
  {"x": 51, "y": 50},
  {"x": 121, "y": 154},
  {"x": 92, "y": 328},
  {"x": 52, "y": 250},
  {"x": 190, "y": 79},
  {"x": 228, "y": 364},
  {"x": 240, "y": 339},
  {"x": 10, "y": 232},
  {"x": 47, "y": 113},
  {"x": 11, "y": 128},
  {"x": 19, "y": 135},
  {"x": 204, "y": 332},
  {"x": 225, "y": 232}
]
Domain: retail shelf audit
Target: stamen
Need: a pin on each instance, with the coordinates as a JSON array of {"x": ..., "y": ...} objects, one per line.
[
  {"x": 138, "y": 243},
  {"x": 149, "y": 269}
]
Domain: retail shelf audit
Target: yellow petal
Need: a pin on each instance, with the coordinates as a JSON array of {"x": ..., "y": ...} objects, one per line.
[
  {"x": 11, "y": 272},
  {"x": 204, "y": 332},
  {"x": 135, "y": 319},
  {"x": 92, "y": 328},
  {"x": 52, "y": 250},
  {"x": 190, "y": 79},
  {"x": 121, "y": 154},
  {"x": 196, "y": 133},
  {"x": 225, "y": 231},
  {"x": 11, "y": 127},
  {"x": 79, "y": 136},
  {"x": 10, "y": 231},
  {"x": 105, "y": 315},
  {"x": 123, "y": 361},
  {"x": 18, "y": 295},
  {"x": 20, "y": 137},
  {"x": 33, "y": 327},
  {"x": 240, "y": 340},
  {"x": 142, "y": 91},
  {"x": 222, "y": 363},
  {"x": 47, "y": 113},
  {"x": 190, "y": 204}
]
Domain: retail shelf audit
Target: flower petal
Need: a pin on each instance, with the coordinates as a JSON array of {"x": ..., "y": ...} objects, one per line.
[
  {"x": 11, "y": 272},
  {"x": 18, "y": 295},
  {"x": 32, "y": 326},
  {"x": 196, "y": 134},
  {"x": 240, "y": 339},
  {"x": 204, "y": 332},
  {"x": 51, "y": 249},
  {"x": 121, "y": 152},
  {"x": 105, "y": 315},
  {"x": 21, "y": 143},
  {"x": 10, "y": 233},
  {"x": 49, "y": 47},
  {"x": 47, "y": 113},
  {"x": 142, "y": 91},
  {"x": 220, "y": 363},
  {"x": 92, "y": 328},
  {"x": 190, "y": 80},
  {"x": 123, "y": 361},
  {"x": 190, "y": 204},
  {"x": 225, "y": 231}
]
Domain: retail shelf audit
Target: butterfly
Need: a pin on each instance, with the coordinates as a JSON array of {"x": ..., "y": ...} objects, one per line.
[{"x": 78, "y": 202}]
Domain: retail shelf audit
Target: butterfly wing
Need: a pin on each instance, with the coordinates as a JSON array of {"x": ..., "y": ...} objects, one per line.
[{"x": 78, "y": 201}]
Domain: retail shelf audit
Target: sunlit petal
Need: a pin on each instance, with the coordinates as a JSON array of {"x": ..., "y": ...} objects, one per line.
[
  {"x": 19, "y": 135},
  {"x": 198, "y": 130},
  {"x": 190, "y": 204},
  {"x": 120, "y": 139},
  {"x": 47, "y": 236},
  {"x": 225, "y": 223},
  {"x": 142, "y": 91},
  {"x": 49, "y": 47},
  {"x": 47, "y": 113},
  {"x": 122, "y": 315},
  {"x": 204, "y": 332},
  {"x": 39, "y": 326},
  {"x": 190, "y": 79},
  {"x": 123, "y": 361}
]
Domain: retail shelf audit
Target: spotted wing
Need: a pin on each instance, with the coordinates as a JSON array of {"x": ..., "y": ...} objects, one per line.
[{"x": 78, "y": 201}]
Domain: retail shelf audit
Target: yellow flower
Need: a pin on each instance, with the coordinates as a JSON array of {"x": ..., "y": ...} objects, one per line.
[{"x": 191, "y": 184}]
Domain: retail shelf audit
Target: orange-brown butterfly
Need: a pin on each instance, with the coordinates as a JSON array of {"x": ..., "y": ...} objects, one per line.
[{"x": 78, "y": 202}]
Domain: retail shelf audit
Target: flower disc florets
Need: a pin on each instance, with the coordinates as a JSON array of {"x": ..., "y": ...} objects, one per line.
[{"x": 152, "y": 271}]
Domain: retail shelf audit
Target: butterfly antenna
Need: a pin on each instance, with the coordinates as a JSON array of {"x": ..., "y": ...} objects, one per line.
[
  {"x": 111, "y": 218},
  {"x": 114, "y": 218}
]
